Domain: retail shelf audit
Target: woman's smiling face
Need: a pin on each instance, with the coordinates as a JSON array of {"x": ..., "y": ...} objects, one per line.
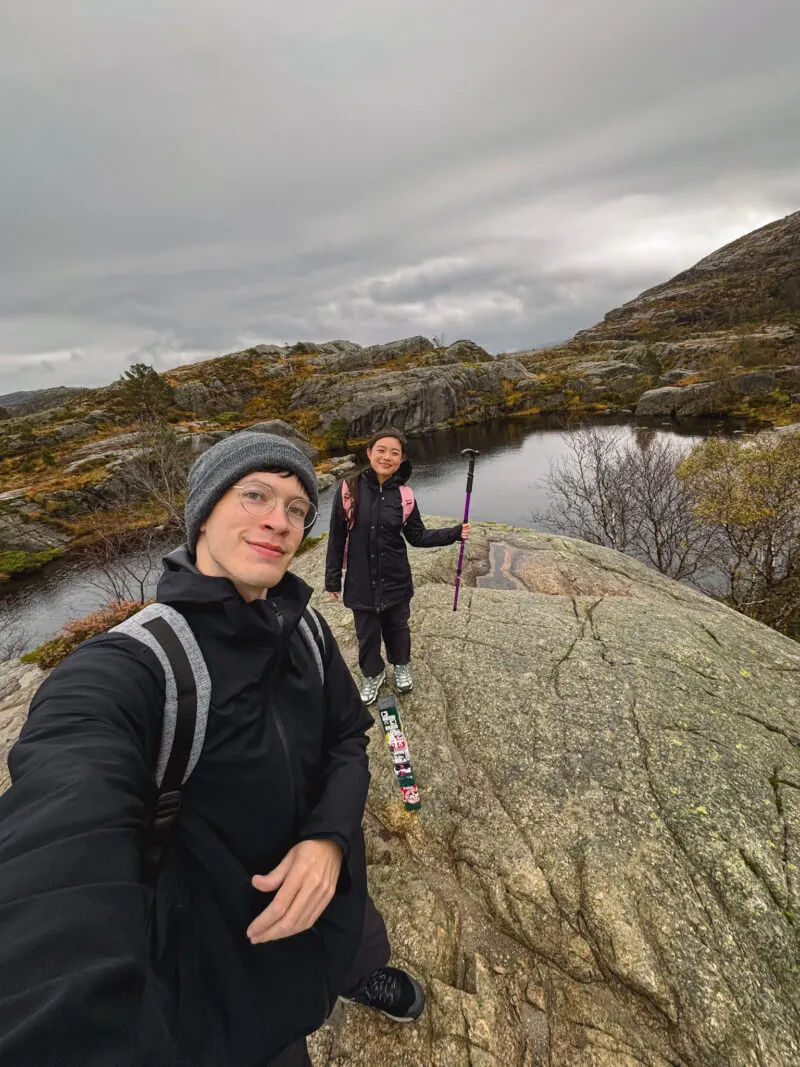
[{"x": 385, "y": 456}]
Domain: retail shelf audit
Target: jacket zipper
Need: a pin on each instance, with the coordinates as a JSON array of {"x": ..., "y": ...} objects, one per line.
[
  {"x": 279, "y": 721},
  {"x": 378, "y": 550}
]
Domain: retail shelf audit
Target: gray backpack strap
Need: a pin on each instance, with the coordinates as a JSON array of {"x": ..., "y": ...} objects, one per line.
[
  {"x": 314, "y": 636},
  {"x": 186, "y": 702}
]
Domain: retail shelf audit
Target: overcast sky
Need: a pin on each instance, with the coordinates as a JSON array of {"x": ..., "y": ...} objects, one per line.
[{"x": 180, "y": 179}]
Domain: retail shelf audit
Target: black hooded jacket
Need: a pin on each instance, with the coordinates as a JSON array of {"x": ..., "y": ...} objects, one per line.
[
  {"x": 284, "y": 760},
  {"x": 378, "y": 574}
]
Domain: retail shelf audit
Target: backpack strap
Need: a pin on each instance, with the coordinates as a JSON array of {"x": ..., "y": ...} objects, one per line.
[
  {"x": 407, "y": 497},
  {"x": 186, "y": 702},
  {"x": 314, "y": 636},
  {"x": 347, "y": 503}
]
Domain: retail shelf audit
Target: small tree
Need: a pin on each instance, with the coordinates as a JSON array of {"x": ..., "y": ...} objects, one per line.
[
  {"x": 625, "y": 494},
  {"x": 144, "y": 394},
  {"x": 123, "y": 564},
  {"x": 159, "y": 470},
  {"x": 749, "y": 494}
]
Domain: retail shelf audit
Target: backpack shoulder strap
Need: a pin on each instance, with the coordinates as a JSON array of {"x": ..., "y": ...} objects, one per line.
[
  {"x": 187, "y": 698},
  {"x": 347, "y": 502},
  {"x": 314, "y": 636},
  {"x": 407, "y": 497}
]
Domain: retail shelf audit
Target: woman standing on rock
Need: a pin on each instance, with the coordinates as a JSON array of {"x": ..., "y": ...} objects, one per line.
[{"x": 373, "y": 510}]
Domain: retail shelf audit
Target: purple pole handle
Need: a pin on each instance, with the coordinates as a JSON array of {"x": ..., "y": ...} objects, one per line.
[{"x": 463, "y": 542}]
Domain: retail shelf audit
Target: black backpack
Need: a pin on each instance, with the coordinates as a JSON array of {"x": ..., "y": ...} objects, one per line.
[{"x": 187, "y": 698}]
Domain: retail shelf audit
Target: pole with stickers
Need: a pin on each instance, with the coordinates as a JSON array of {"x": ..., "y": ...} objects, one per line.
[{"x": 398, "y": 749}]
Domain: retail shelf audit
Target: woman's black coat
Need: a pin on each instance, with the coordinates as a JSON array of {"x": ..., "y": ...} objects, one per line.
[{"x": 378, "y": 575}]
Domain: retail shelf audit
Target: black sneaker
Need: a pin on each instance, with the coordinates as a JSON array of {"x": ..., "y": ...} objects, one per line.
[{"x": 393, "y": 992}]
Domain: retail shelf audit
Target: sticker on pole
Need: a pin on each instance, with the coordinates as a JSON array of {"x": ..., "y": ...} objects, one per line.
[{"x": 398, "y": 749}]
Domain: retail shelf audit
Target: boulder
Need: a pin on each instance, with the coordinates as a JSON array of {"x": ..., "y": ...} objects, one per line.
[
  {"x": 345, "y": 467},
  {"x": 193, "y": 396},
  {"x": 73, "y": 431},
  {"x": 687, "y": 401},
  {"x": 458, "y": 352},
  {"x": 274, "y": 351},
  {"x": 407, "y": 346},
  {"x": 509, "y": 369},
  {"x": 285, "y": 429},
  {"x": 21, "y": 531},
  {"x": 606, "y": 868},
  {"x": 200, "y": 442},
  {"x": 752, "y": 383}
]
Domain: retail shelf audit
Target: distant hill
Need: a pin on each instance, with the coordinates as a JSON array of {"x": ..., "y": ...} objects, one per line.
[
  {"x": 741, "y": 304},
  {"x": 30, "y": 400}
]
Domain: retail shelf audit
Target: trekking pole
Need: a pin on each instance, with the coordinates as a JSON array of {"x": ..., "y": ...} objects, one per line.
[{"x": 472, "y": 453}]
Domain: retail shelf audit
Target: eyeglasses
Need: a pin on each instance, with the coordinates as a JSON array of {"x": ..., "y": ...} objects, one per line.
[{"x": 257, "y": 498}]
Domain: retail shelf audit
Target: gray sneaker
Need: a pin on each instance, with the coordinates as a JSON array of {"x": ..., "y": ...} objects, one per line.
[
  {"x": 402, "y": 677},
  {"x": 371, "y": 686}
]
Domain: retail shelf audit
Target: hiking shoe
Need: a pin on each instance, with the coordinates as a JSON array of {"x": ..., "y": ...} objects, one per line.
[
  {"x": 402, "y": 677},
  {"x": 393, "y": 992},
  {"x": 371, "y": 686}
]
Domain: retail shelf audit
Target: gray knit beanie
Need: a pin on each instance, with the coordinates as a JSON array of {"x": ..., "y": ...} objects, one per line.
[{"x": 213, "y": 473}]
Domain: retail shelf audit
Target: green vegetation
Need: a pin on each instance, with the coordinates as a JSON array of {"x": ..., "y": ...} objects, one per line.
[
  {"x": 335, "y": 437},
  {"x": 15, "y": 562},
  {"x": 143, "y": 393},
  {"x": 308, "y": 544}
]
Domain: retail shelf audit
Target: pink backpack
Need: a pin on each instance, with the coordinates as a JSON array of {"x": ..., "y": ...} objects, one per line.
[{"x": 406, "y": 495}]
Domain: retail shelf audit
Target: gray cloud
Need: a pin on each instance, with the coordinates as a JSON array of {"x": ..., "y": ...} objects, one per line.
[{"x": 181, "y": 180}]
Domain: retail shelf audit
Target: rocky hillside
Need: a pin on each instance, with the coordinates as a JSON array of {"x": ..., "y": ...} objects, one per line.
[
  {"x": 726, "y": 332},
  {"x": 606, "y": 868},
  {"x": 70, "y": 468}
]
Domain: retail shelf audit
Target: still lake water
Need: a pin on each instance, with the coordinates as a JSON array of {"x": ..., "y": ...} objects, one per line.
[{"x": 515, "y": 456}]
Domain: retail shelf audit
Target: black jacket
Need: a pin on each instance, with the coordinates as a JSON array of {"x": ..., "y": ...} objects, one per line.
[
  {"x": 284, "y": 760},
  {"x": 378, "y": 575}
]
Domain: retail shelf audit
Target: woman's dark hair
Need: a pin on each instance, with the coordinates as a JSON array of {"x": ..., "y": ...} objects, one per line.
[
  {"x": 389, "y": 431},
  {"x": 354, "y": 480}
]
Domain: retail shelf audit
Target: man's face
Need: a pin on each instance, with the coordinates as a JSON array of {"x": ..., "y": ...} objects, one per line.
[
  {"x": 385, "y": 456},
  {"x": 253, "y": 551}
]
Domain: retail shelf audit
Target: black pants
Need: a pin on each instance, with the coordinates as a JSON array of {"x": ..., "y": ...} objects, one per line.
[
  {"x": 373, "y": 952},
  {"x": 392, "y": 626}
]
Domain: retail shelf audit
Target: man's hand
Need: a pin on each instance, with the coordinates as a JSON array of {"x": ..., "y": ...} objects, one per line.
[
  {"x": 306, "y": 880},
  {"x": 334, "y": 596},
  {"x": 465, "y": 531}
]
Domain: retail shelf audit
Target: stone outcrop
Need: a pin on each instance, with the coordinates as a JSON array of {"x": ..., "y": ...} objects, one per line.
[
  {"x": 458, "y": 352},
  {"x": 713, "y": 397},
  {"x": 606, "y": 868},
  {"x": 674, "y": 401},
  {"x": 413, "y": 400}
]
